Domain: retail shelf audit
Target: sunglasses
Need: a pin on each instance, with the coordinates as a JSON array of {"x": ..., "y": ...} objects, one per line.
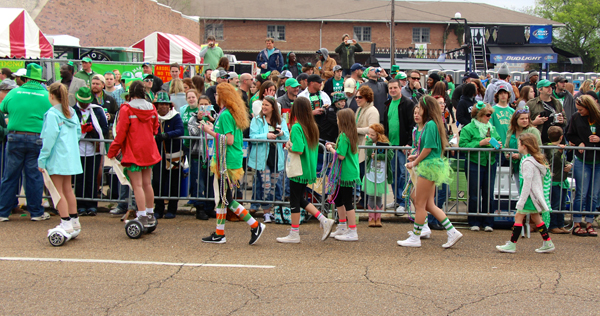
[
  {"x": 413, "y": 78},
  {"x": 360, "y": 97},
  {"x": 489, "y": 115}
]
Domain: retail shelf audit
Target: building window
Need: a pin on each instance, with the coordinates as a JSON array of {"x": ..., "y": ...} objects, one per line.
[
  {"x": 362, "y": 33},
  {"x": 420, "y": 35},
  {"x": 276, "y": 31},
  {"x": 215, "y": 30}
]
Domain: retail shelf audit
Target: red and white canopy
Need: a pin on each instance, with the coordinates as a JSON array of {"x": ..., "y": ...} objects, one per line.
[
  {"x": 169, "y": 48},
  {"x": 20, "y": 37}
]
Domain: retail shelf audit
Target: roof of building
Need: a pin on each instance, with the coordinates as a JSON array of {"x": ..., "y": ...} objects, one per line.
[{"x": 361, "y": 11}]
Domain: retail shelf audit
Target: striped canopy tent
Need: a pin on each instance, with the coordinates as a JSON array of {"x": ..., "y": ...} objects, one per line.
[
  {"x": 169, "y": 48},
  {"x": 20, "y": 37}
]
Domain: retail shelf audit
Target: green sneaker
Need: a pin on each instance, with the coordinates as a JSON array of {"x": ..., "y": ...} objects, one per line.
[
  {"x": 548, "y": 246},
  {"x": 510, "y": 247}
]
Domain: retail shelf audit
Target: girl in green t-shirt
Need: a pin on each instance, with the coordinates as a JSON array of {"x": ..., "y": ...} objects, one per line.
[
  {"x": 432, "y": 169},
  {"x": 378, "y": 172},
  {"x": 535, "y": 180},
  {"x": 346, "y": 148},
  {"x": 227, "y": 160},
  {"x": 304, "y": 141}
]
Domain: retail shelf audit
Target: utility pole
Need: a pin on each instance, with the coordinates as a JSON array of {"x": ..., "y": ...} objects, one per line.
[{"x": 392, "y": 40}]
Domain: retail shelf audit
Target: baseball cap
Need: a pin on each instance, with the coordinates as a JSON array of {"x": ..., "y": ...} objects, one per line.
[
  {"x": 302, "y": 76},
  {"x": 291, "y": 82},
  {"x": 560, "y": 79},
  {"x": 336, "y": 68},
  {"x": 20, "y": 72},
  {"x": 86, "y": 59},
  {"x": 544, "y": 83},
  {"x": 356, "y": 67},
  {"x": 146, "y": 64},
  {"x": 309, "y": 65},
  {"x": 99, "y": 77},
  {"x": 505, "y": 87},
  {"x": 349, "y": 85},
  {"x": 8, "y": 84},
  {"x": 401, "y": 76},
  {"x": 285, "y": 74},
  {"x": 222, "y": 74},
  {"x": 233, "y": 74},
  {"x": 472, "y": 75},
  {"x": 315, "y": 78}
]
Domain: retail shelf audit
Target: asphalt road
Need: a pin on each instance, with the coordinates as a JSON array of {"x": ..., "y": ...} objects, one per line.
[{"x": 172, "y": 272}]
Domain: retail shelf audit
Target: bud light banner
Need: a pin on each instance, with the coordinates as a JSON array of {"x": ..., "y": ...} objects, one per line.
[
  {"x": 540, "y": 34},
  {"x": 524, "y": 58}
]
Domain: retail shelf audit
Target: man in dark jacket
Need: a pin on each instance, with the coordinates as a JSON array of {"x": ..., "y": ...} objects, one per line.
[
  {"x": 292, "y": 64},
  {"x": 334, "y": 84},
  {"x": 93, "y": 126},
  {"x": 413, "y": 90},
  {"x": 103, "y": 99},
  {"x": 564, "y": 96},
  {"x": 533, "y": 79},
  {"x": 270, "y": 58},
  {"x": 380, "y": 89},
  {"x": 545, "y": 110},
  {"x": 346, "y": 51},
  {"x": 398, "y": 122},
  {"x": 157, "y": 82},
  {"x": 167, "y": 173},
  {"x": 222, "y": 76},
  {"x": 458, "y": 92}
]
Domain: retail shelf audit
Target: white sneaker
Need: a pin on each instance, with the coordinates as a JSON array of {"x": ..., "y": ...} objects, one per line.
[
  {"x": 339, "y": 230},
  {"x": 400, "y": 210},
  {"x": 292, "y": 238},
  {"x": 46, "y": 204},
  {"x": 412, "y": 241},
  {"x": 474, "y": 228},
  {"x": 391, "y": 205},
  {"x": 76, "y": 224},
  {"x": 426, "y": 232},
  {"x": 44, "y": 217},
  {"x": 453, "y": 237},
  {"x": 66, "y": 226},
  {"x": 3, "y": 219},
  {"x": 267, "y": 217},
  {"x": 350, "y": 235},
  {"x": 488, "y": 229},
  {"x": 327, "y": 225}
]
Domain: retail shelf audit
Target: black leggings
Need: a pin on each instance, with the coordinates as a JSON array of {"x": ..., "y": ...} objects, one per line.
[
  {"x": 345, "y": 198},
  {"x": 297, "y": 199}
]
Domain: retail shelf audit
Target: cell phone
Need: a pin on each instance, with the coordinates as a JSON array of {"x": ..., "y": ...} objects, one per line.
[
  {"x": 348, "y": 41},
  {"x": 278, "y": 129}
]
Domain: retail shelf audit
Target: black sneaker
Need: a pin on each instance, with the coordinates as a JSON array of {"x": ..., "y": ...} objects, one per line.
[
  {"x": 256, "y": 232},
  {"x": 201, "y": 215},
  {"x": 215, "y": 239}
]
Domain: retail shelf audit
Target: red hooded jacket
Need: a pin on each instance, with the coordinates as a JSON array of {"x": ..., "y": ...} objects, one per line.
[{"x": 136, "y": 126}]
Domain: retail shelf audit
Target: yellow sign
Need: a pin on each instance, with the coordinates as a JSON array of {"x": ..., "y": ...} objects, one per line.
[{"x": 13, "y": 65}]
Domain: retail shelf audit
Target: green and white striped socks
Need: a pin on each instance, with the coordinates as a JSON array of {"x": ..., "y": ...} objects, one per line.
[
  {"x": 417, "y": 228},
  {"x": 448, "y": 225}
]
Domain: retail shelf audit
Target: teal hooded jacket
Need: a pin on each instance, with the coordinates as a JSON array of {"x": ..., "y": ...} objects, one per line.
[{"x": 60, "y": 149}]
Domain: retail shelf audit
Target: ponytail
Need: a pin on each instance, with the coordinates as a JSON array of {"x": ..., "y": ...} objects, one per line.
[{"x": 59, "y": 91}]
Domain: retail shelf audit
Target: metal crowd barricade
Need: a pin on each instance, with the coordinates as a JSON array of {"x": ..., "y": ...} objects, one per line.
[{"x": 454, "y": 198}]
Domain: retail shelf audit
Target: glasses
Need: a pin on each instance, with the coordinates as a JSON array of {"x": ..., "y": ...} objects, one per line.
[
  {"x": 360, "y": 97},
  {"x": 413, "y": 78},
  {"x": 489, "y": 115},
  {"x": 148, "y": 80}
]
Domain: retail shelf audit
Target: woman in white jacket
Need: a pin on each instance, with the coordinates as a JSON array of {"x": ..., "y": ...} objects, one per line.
[{"x": 535, "y": 180}]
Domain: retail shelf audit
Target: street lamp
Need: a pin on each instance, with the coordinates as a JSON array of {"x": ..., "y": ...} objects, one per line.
[{"x": 467, "y": 44}]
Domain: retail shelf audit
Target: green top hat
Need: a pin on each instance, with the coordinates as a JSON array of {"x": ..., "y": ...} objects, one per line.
[
  {"x": 162, "y": 97},
  {"x": 84, "y": 95},
  {"x": 34, "y": 72}
]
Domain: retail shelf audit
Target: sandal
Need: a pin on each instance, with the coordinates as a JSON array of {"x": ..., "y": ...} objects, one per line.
[
  {"x": 591, "y": 232},
  {"x": 579, "y": 231}
]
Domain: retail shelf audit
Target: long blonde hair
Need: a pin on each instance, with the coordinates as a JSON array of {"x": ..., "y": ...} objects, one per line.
[
  {"x": 60, "y": 92},
  {"x": 530, "y": 142}
]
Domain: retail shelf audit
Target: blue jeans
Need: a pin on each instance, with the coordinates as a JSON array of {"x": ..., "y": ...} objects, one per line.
[
  {"x": 22, "y": 152},
  {"x": 558, "y": 201},
  {"x": 399, "y": 181},
  {"x": 587, "y": 189},
  {"x": 124, "y": 194},
  {"x": 258, "y": 191},
  {"x": 481, "y": 185}
]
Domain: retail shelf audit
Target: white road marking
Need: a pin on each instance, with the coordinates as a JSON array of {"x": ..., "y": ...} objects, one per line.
[{"x": 137, "y": 262}]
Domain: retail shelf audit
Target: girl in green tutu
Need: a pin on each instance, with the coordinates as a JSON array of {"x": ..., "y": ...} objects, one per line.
[{"x": 432, "y": 169}]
